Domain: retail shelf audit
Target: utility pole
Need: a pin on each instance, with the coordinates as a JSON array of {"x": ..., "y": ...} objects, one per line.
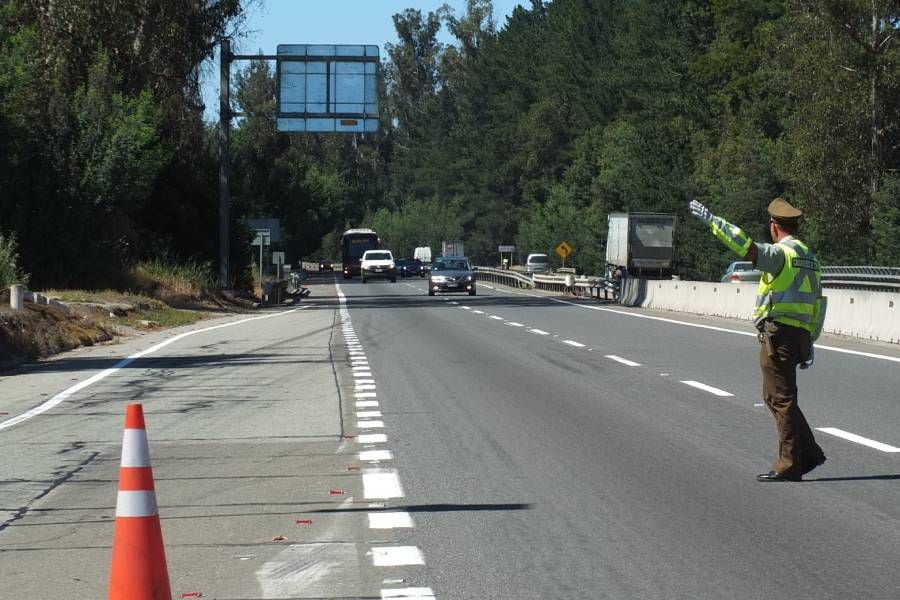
[{"x": 224, "y": 162}]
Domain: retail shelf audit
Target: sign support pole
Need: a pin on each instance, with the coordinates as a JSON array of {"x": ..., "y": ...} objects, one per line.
[{"x": 224, "y": 162}]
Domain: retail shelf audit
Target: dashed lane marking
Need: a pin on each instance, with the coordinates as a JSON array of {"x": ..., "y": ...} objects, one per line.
[
  {"x": 367, "y": 404},
  {"x": 371, "y": 438},
  {"x": 370, "y": 424},
  {"x": 381, "y": 485},
  {"x": 390, "y": 520},
  {"x": 368, "y": 414},
  {"x": 539, "y": 332},
  {"x": 707, "y": 388},
  {"x": 573, "y": 343},
  {"x": 624, "y": 361},
  {"x": 514, "y": 324},
  {"x": 370, "y": 455},
  {"x": 852, "y": 437},
  {"x": 496, "y": 318}
]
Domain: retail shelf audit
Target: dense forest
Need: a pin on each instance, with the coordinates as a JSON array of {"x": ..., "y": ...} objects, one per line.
[{"x": 526, "y": 132}]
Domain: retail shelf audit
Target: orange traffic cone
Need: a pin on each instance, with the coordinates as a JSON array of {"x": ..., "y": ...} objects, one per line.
[{"x": 138, "y": 559}]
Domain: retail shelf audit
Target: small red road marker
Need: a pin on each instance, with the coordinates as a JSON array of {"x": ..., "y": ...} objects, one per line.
[
  {"x": 304, "y": 521},
  {"x": 352, "y": 468},
  {"x": 337, "y": 492},
  {"x": 192, "y": 595}
]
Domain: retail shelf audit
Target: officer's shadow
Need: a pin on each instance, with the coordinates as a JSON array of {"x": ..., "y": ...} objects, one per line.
[{"x": 860, "y": 478}]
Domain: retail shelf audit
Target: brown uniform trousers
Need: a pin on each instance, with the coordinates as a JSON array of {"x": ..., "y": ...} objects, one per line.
[{"x": 779, "y": 359}]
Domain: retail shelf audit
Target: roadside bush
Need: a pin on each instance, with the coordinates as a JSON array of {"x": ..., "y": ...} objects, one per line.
[
  {"x": 163, "y": 279},
  {"x": 10, "y": 272}
]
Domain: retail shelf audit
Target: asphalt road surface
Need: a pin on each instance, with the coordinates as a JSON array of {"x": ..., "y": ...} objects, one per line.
[{"x": 510, "y": 445}]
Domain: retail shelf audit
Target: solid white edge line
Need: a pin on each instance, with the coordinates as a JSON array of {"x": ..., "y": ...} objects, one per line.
[
  {"x": 852, "y": 437},
  {"x": 65, "y": 394},
  {"x": 707, "y": 388}
]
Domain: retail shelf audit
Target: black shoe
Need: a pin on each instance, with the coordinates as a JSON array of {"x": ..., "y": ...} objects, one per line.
[
  {"x": 818, "y": 462},
  {"x": 776, "y": 476}
]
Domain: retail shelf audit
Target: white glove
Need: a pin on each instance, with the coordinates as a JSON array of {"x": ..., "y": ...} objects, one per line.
[
  {"x": 809, "y": 361},
  {"x": 701, "y": 212}
]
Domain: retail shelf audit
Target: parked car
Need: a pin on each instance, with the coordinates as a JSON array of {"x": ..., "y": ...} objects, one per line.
[
  {"x": 326, "y": 265},
  {"x": 451, "y": 274},
  {"x": 410, "y": 267},
  {"x": 537, "y": 263},
  {"x": 378, "y": 264},
  {"x": 741, "y": 271}
]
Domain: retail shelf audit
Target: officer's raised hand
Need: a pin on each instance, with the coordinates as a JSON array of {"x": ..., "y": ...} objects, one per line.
[{"x": 700, "y": 211}]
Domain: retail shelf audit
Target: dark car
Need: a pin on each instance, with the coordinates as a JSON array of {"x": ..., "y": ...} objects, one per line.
[
  {"x": 410, "y": 267},
  {"x": 326, "y": 265},
  {"x": 451, "y": 274}
]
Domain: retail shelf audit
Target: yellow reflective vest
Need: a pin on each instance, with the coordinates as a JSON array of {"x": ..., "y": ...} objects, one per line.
[{"x": 793, "y": 296}]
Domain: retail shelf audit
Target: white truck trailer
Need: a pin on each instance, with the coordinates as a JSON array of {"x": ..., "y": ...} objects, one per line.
[{"x": 643, "y": 244}]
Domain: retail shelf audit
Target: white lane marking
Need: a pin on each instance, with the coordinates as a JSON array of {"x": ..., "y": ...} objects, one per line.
[
  {"x": 365, "y": 395},
  {"x": 65, "y": 394},
  {"x": 707, "y": 388},
  {"x": 397, "y": 556},
  {"x": 514, "y": 324},
  {"x": 466, "y": 307},
  {"x": 496, "y": 318},
  {"x": 419, "y": 593},
  {"x": 368, "y": 414},
  {"x": 539, "y": 331},
  {"x": 370, "y": 424},
  {"x": 478, "y": 312},
  {"x": 713, "y": 328},
  {"x": 624, "y": 361},
  {"x": 573, "y": 343},
  {"x": 490, "y": 287},
  {"x": 371, "y": 438},
  {"x": 369, "y": 455},
  {"x": 360, "y": 387},
  {"x": 380, "y": 485},
  {"x": 359, "y": 365},
  {"x": 852, "y": 437},
  {"x": 455, "y": 303},
  {"x": 759, "y": 404},
  {"x": 390, "y": 520},
  {"x": 367, "y": 404},
  {"x": 366, "y": 373}
]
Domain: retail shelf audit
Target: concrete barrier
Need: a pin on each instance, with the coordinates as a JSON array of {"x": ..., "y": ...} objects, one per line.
[
  {"x": 17, "y": 297},
  {"x": 856, "y": 313}
]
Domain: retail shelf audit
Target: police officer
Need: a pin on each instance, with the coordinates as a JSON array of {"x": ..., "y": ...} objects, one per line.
[{"x": 790, "y": 310}]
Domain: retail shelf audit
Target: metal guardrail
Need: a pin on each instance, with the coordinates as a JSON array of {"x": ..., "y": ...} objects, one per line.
[
  {"x": 862, "y": 278},
  {"x": 595, "y": 287}
]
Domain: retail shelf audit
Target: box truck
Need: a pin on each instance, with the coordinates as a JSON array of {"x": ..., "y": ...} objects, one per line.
[{"x": 641, "y": 243}]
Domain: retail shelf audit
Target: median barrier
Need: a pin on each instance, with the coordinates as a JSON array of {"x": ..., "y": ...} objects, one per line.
[{"x": 856, "y": 313}]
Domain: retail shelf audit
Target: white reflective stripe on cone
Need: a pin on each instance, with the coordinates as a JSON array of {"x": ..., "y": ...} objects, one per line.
[
  {"x": 135, "y": 451},
  {"x": 136, "y": 503}
]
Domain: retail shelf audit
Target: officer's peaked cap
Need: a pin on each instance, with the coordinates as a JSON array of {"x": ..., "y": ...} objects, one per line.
[{"x": 781, "y": 210}]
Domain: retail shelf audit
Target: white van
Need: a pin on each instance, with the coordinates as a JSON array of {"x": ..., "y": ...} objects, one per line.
[
  {"x": 537, "y": 263},
  {"x": 423, "y": 253}
]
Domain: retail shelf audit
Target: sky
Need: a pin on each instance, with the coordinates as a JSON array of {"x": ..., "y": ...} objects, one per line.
[{"x": 273, "y": 22}]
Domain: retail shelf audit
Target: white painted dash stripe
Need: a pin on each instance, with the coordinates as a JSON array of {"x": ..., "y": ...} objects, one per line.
[
  {"x": 363, "y": 367},
  {"x": 624, "y": 361},
  {"x": 514, "y": 324},
  {"x": 478, "y": 312},
  {"x": 382, "y": 485},
  {"x": 707, "y": 388},
  {"x": 365, "y": 395},
  {"x": 367, "y": 404},
  {"x": 422, "y": 593},
  {"x": 364, "y": 386},
  {"x": 371, "y": 438},
  {"x": 363, "y": 374},
  {"x": 466, "y": 307},
  {"x": 368, "y": 414},
  {"x": 539, "y": 331},
  {"x": 370, "y": 424},
  {"x": 390, "y": 520},
  {"x": 852, "y": 437},
  {"x": 490, "y": 287},
  {"x": 367, "y": 455},
  {"x": 496, "y": 318},
  {"x": 573, "y": 343},
  {"x": 397, "y": 556}
]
